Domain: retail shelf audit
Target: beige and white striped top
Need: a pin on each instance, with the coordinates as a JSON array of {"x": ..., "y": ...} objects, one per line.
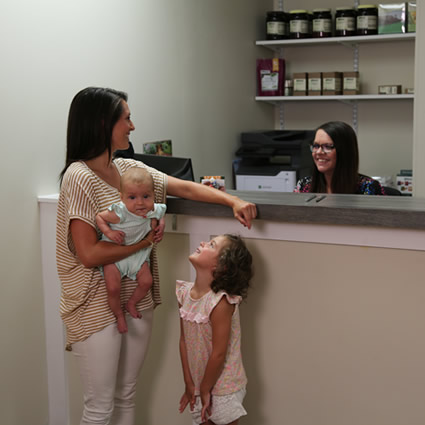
[{"x": 84, "y": 306}]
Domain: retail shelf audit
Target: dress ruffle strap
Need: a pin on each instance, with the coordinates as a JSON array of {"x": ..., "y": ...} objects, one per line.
[{"x": 193, "y": 316}]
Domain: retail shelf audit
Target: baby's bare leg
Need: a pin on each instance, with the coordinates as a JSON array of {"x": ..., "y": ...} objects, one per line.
[
  {"x": 113, "y": 286},
  {"x": 144, "y": 280}
]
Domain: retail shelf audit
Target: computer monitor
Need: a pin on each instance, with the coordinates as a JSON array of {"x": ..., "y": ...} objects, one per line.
[{"x": 171, "y": 165}]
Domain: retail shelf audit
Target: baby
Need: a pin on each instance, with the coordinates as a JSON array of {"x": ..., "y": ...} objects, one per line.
[{"x": 128, "y": 222}]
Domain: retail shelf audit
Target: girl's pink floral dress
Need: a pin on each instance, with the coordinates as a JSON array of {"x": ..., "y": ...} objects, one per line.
[{"x": 198, "y": 336}]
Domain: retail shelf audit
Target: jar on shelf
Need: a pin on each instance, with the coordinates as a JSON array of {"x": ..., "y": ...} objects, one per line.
[
  {"x": 299, "y": 24},
  {"x": 345, "y": 21},
  {"x": 367, "y": 19},
  {"x": 277, "y": 25},
  {"x": 322, "y": 23}
]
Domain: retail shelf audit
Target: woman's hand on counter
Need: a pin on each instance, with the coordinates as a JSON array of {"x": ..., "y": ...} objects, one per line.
[{"x": 244, "y": 211}]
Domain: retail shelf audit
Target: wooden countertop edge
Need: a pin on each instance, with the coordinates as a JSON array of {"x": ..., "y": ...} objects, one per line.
[{"x": 374, "y": 217}]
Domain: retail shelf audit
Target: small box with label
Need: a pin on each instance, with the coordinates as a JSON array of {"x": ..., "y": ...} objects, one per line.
[
  {"x": 351, "y": 83},
  {"x": 390, "y": 89},
  {"x": 314, "y": 83},
  {"x": 300, "y": 83},
  {"x": 332, "y": 83}
]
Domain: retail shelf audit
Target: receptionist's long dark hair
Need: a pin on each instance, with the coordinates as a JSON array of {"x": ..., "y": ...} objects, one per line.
[
  {"x": 346, "y": 174},
  {"x": 93, "y": 113}
]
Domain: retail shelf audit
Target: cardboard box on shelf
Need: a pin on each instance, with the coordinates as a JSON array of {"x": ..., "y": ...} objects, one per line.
[
  {"x": 300, "y": 83},
  {"x": 314, "y": 83},
  {"x": 390, "y": 89},
  {"x": 332, "y": 83},
  {"x": 351, "y": 83}
]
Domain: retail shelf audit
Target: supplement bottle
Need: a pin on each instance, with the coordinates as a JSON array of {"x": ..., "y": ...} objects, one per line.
[
  {"x": 322, "y": 23},
  {"x": 277, "y": 25},
  {"x": 299, "y": 24},
  {"x": 367, "y": 19},
  {"x": 345, "y": 22}
]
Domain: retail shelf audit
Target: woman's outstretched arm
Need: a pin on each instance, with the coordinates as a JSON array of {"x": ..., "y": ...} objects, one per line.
[{"x": 243, "y": 211}]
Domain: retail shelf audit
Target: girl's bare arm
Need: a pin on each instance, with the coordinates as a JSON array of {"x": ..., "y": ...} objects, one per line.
[
  {"x": 189, "y": 395},
  {"x": 221, "y": 321}
]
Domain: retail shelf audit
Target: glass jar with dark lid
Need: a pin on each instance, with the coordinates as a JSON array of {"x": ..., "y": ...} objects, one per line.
[
  {"x": 277, "y": 25},
  {"x": 322, "y": 23},
  {"x": 367, "y": 19},
  {"x": 345, "y": 21},
  {"x": 299, "y": 24}
]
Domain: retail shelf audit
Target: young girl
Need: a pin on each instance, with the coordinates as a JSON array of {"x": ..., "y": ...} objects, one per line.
[
  {"x": 127, "y": 222},
  {"x": 210, "y": 337}
]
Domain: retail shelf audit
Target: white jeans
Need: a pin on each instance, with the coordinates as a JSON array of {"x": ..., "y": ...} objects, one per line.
[{"x": 109, "y": 364}]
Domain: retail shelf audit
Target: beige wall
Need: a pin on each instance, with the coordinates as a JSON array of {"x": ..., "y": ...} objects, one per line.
[{"x": 331, "y": 335}]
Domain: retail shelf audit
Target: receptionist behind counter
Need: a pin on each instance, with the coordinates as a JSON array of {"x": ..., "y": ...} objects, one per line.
[{"x": 336, "y": 163}]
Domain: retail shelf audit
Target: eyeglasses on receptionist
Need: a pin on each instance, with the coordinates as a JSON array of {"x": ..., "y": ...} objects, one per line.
[{"x": 326, "y": 147}]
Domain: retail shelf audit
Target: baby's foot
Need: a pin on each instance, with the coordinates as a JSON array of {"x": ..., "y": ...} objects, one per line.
[
  {"x": 131, "y": 308},
  {"x": 122, "y": 324}
]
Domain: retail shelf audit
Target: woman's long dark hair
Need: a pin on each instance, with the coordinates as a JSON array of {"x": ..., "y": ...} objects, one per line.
[
  {"x": 346, "y": 174},
  {"x": 93, "y": 113}
]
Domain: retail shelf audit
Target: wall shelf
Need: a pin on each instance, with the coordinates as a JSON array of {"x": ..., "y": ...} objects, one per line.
[
  {"x": 342, "y": 98},
  {"x": 276, "y": 45}
]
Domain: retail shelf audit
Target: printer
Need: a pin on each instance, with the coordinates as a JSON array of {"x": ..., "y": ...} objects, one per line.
[{"x": 273, "y": 161}]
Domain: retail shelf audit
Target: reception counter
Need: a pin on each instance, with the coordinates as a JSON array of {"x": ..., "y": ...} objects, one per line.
[
  {"x": 390, "y": 221},
  {"x": 377, "y": 211},
  {"x": 332, "y": 327}
]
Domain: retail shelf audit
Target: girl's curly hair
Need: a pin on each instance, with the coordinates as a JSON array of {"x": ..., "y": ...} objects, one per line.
[{"x": 234, "y": 268}]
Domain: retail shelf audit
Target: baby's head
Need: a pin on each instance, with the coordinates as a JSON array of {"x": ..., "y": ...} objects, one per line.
[
  {"x": 233, "y": 272},
  {"x": 137, "y": 190}
]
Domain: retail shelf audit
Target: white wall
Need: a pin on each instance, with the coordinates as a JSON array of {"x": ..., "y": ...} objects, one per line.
[{"x": 189, "y": 69}]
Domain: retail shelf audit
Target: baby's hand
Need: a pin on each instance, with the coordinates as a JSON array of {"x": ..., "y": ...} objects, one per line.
[
  {"x": 159, "y": 230},
  {"x": 154, "y": 223},
  {"x": 117, "y": 236}
]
